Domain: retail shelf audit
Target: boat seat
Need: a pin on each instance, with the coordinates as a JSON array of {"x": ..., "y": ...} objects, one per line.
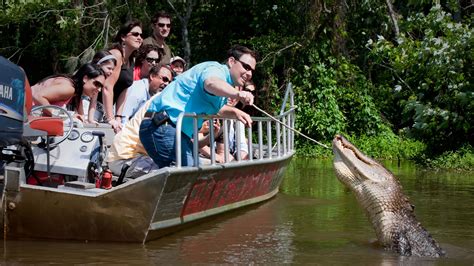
[{"x": 52, "y": 126}]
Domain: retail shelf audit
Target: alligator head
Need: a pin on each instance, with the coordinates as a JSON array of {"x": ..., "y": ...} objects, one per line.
[{"x": 380, "y": 194}]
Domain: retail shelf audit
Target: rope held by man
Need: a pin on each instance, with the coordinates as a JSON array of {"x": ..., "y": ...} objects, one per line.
[{"x": 290, "y": 128}]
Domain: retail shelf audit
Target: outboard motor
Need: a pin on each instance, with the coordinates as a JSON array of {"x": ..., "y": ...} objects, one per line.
[
  {"x": 12, "y": 114},
  {"x": 12, "y": 98}
]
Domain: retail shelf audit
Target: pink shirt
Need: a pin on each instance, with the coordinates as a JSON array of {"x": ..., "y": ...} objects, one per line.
[{"x": 136, "y": 73}]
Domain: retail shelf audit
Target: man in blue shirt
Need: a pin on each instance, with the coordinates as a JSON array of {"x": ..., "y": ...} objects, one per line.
[
  {"x": 203, "y": 89},
  {"x": 142, "y": 90}
]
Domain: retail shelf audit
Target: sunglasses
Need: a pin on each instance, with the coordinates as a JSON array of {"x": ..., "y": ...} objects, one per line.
[
  {"x": 152, "y": 60},
  {"x": 246, "y": 66},
  {"x": 98, "y": 85},
  {"x": 136, "y": 34},
  {"x": 162, "y": 25},
  {"x": 165, "y": 79}
]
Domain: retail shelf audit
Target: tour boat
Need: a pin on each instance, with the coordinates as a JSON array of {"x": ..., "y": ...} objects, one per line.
[{"x": 71, "y": 205}]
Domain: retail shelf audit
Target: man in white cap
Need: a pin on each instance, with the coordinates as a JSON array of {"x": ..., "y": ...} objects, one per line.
[{"x": 178, "y": 65}]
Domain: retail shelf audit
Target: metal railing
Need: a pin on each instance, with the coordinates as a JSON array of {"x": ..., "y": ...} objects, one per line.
[{"x": 272, "y": 139}]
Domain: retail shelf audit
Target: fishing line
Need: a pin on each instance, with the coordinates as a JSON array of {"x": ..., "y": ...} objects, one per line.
[{"x": 290, "y": 128}]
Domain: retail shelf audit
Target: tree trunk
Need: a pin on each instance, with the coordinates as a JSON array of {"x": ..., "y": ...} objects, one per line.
[
  {"x": 393, "y": 17},
  {"x": 184, "y": 27},
  {"x": 340, "y": 9}
]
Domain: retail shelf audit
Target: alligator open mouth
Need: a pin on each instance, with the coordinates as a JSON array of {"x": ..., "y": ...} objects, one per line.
[{"x": 380, "y": 194}]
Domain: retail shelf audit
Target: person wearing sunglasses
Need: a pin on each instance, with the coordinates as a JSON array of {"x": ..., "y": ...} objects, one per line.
[
  {"x": 126, "y": 149},
  {"x": 67, "y": 90},
  {"x": 142, "y": 90},
  {"x": 127, "y": 40},
  {"x": 203, "y": 89},
  {"x": 161, "y": 27},
  {"x": 148, "y": 55}
]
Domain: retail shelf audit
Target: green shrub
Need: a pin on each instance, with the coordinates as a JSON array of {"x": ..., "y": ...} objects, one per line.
[
  {"x": 385, "y": 145},
  {"x": 462, "y": 159},
  {"x": 389, "y": 146}
]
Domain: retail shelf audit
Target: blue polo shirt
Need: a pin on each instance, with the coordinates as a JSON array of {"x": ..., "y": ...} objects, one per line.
[
  {"x": 187, "y": 94},
  {"x": 137, "y": 95}
]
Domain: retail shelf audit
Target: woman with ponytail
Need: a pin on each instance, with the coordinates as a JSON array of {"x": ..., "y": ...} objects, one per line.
[
  {"x": 62, "y": 90},
  {"x": 126, "y": 42}
]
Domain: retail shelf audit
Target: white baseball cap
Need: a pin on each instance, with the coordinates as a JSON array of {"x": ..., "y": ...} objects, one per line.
[{"x": 177, "y": 58}]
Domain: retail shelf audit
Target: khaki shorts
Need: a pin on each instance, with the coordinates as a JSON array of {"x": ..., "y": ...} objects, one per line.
[{"x": 139, "y": 166}]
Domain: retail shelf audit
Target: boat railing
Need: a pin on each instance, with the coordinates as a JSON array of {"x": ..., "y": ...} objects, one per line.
[{"x": 268, "y": 138}]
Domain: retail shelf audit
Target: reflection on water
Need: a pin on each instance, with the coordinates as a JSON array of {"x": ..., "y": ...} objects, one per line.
[
  {"x": 313, "y": 220},
  {"x": 243, "y": 237}
]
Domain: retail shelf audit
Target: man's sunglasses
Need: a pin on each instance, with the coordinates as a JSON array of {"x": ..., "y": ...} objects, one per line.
[
  {"x": 97, "y": 84},
  {"x": 246, "y": 66},
  {"x": 136, "y": 34},
  {"x": 162, "y": 25},
  {"x": 152, "y": 60},
  {"x": 165, "y": 79}
]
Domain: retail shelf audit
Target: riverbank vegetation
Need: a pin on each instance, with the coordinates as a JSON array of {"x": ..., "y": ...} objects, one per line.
[
  {"x": 392, "y": 147},
  {"x": 394, "y": 76}
]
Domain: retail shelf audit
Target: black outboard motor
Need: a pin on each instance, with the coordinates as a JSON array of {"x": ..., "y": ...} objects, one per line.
[
  {"x": 12, "y": 97},
  {"x": 12, "y": 114}
]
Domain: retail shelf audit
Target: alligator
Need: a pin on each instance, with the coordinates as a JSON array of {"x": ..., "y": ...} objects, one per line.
[{"x": 380, "y": 194}]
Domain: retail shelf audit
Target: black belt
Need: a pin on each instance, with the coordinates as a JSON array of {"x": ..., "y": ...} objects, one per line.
[
  {"x": 158, "y": 118},
  {"x": 149, "y": 114}
]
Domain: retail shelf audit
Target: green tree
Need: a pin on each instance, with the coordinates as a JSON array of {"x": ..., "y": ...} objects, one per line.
[{"x": 429, "y": 71}]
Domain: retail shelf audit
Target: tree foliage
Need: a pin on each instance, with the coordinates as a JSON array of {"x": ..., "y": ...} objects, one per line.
[
  {"x": 352, "y": 71},
  {"x": 428, "y": 70}
]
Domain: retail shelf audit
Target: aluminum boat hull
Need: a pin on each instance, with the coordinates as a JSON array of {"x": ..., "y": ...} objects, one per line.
[{"x": 139, "y": 210}]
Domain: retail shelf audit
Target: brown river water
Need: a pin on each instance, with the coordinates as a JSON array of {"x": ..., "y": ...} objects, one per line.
[{"x": 313, "y": 220}]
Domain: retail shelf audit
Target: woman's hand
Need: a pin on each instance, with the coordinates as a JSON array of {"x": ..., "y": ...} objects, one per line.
[
  {"x": 220, "y": 158},
  {"x": 79, "y": 117},
  {"x": 217, "y": 128},
  {"x": 116, "y": 125},
  {"x": 205, "y": 127},
  {"x": 92, "y": 121}
]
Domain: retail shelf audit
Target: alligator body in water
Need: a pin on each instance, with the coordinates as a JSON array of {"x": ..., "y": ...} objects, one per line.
[{"x": 380, "y": 194}]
